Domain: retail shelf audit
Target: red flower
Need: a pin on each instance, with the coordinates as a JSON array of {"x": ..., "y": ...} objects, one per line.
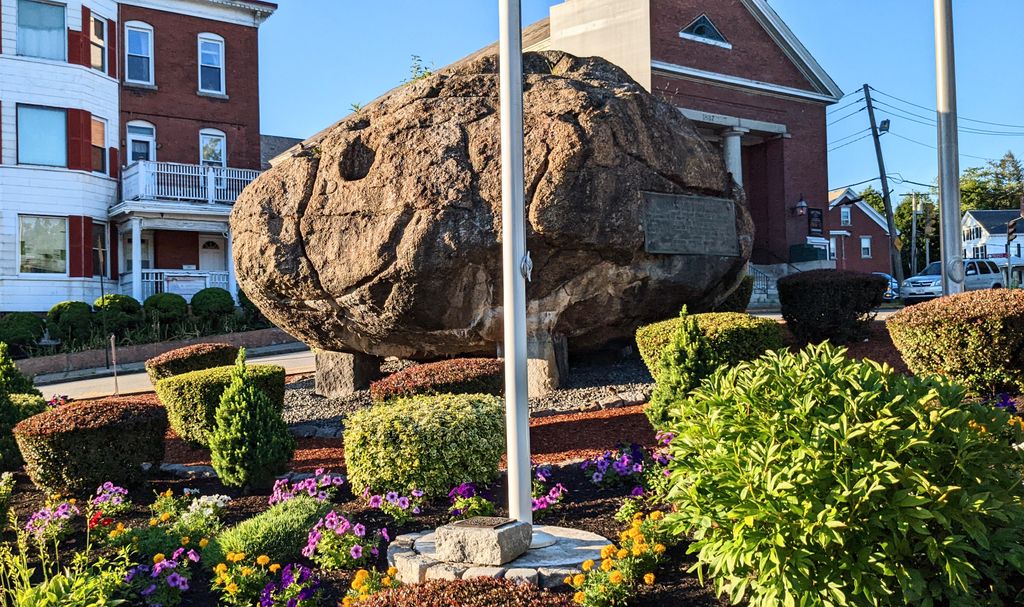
[{"x": 95, "y": 519}]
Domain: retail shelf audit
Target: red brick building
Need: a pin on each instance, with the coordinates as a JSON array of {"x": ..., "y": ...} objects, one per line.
[{"x": 858, "y": 234}]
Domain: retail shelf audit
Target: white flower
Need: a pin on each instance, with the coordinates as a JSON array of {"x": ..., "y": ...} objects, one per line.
[{"x": 1018, "y": 447}]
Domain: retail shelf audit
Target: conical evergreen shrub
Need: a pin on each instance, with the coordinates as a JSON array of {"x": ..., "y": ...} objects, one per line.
[
  {"x": 250, "y": 444},
  {"x": 684, "y": 363}
]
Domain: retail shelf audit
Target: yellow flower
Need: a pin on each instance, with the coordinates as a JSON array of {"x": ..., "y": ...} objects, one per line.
[
  {"x": 588, "y": 565},
  {"x": 120, "y": 527},
  {"x": 362, "y": 574},
  {"x": 659, "y": 548},
  {"x": 392, "y": 571},
  {"x": 657, "y": 515},
  {"x": 152, "y": 522},
  {"x": 567, "y": 580},
  {"x": 622, "y": 553},
  {"x": 607, "y": 551},
  {"x": 357, "y": 584},
  {"x": 579, "y": 597},
  {"x": 72, "y": 501},
  {"x": 637, "y": 550},
  {"x": 246, "y": 571},
  {"x": 579, "y": 579},
  {"x": 220, "y": 568},
  {"x": 649, "y": 579},
  {"x": 165, "y": 516},
  {"x": 236, "y": 557},
  {"x": 158, "y": 558},
  {"x": 232, "y": 588},
  {"x": 386, "y": 582},
  {"x": 275, "y": 568},
  {"x": 185, "y": 540},
  {"x": 346, "y": 602},
  {"x": 607, "y": 564},
  {"x": 262, "y": 560},
  {"x": 203, "y": 543},
  {"x": 168, "y": 493},
  {"x": 639, "y": 516},
  {"x": 615, "y": 577}
]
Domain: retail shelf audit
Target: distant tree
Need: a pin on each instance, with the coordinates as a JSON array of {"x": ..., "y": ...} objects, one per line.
[
  {"x": 874, "y": 198},
  {"x": 999, "y": 184},
  {"x": 927, "y": 229}
]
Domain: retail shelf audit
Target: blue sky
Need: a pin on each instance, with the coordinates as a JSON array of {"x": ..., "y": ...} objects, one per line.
[{"x": 320, "y": 56}]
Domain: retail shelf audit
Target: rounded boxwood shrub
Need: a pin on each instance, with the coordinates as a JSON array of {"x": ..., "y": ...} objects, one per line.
[
  {"x": 467, "y": 593},
  {"x": 190, "y": 358},
  {"x": 13, "y": 409},
  {"x": 77, "y": 447},
  {"x": 830, "y": 304},
  {"x": 732, "y": 336},
  {"x": 739, "y": 299},
  {"x": 213, "y": 305},
  {"x": 812, "y": 479},
  {"x": 454, "y": 376},
  {"x": 21, "y": 329},
  {"x": 12, "y": 380},
  {"x": 118, "y": 314},
  {"x": 279, "y": 532},
  {"x": 974, "y": 338},
  {"x": 70, "y": 321},
  {"x": 430, "y": 443},
  {"x": 191, "y": 398},
  {"x": 166, "y": 308}
]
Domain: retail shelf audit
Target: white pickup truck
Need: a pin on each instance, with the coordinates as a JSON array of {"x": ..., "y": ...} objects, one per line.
[{"x": 978, "y": 274}]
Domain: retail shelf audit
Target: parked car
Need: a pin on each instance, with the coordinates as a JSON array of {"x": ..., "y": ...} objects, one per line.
[
  {"x": 893, "y": 290},
  {"x": 978, "y": 274}
]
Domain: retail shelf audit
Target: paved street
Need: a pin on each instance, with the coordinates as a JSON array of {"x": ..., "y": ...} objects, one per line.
[{"x": 295, "y": 362}]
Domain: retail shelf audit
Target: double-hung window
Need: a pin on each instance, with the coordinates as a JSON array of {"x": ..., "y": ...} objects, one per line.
[
  {"x": 98, "y": 44},
  {"x": 138, "y": 53},
  {"x": 42, "y": 245},
  {"x": 41, "y": 30},
  {"x": 141, "y": 141},
  {"x": 865, "y": 247},
  {"x": 98, "y": 138},
  {"x": 211, "y": 64},
  {"x": 844, "y": 216},
  {"x": 100, "y": 263},
  {"x": 213, "y": 148},
  {"x": 42, "y": 136}
]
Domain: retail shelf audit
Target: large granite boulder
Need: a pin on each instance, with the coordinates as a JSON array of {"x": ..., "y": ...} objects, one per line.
[{"x": 382, "y": 237}]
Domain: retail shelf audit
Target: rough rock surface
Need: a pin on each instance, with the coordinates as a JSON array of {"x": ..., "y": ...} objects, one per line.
[{"x": 383, "y": 237}]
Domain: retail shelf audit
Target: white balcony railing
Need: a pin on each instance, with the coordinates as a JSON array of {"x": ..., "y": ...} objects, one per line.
[
  {"x": 183, "y": 282},
  {"x": 148, "y": 180}
]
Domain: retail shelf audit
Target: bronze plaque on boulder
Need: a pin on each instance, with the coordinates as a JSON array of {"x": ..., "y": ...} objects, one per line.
[
  {"x": 689, "y": 225},
  {"x": 484, "y": 522}
]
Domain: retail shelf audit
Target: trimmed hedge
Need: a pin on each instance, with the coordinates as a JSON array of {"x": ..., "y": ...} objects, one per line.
[
  {"x": 733, "y": 336},
  {"x": 21, "y": 329},
  {"x": 192, "y": 398},
  {"x": 190, "y": 358},
  {"x": 213, "y": 305},
  {"x": 279, "y": 532},
  {"x": 454, "y": 376},
  {"x": 13, "y": 409},
  {"x": 118, "y": 314},
  {"x": 77, "y": 447},
  {"x": 70, "y": 321},
  {"x": 431, "y": 443},
  {"x": 12, "y": 380},
  {"x": 739, "y": 299},
  {"x": 166, "y": 308},
  {"x": 479, "y": 592},
  {"x": 974, "y": 338},
  {"x": 830, "y": 304}
]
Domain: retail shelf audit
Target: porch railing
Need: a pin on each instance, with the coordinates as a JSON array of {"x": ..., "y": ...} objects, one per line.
[
  {"x": 183, "y": 282},
  {"x": 149, "y": 180},
  {"x": 763, "y": 282}
]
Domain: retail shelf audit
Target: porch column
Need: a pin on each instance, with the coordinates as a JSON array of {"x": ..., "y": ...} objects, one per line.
[
  {"x": 136, "y": 258},
  {"x": 732, "y": 146},
  {"x": 232, "y": 283}
]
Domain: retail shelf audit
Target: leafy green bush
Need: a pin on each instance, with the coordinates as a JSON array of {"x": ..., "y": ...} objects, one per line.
[
  {"x": 685, "y": 361},
  {"x": 191, "y": 398},
  {"x": 13, "y": 409},
  {"x": 430, "y": 443},
  {"x": 280, "y": 532},
  {"x": 168, "y": 309},
  {"x": 21, "y": 329},
  {"x": 732, "y": 336},
  {"x": 251, "y": 314},
  {"x": 812, "y": 479},
  {"x": 974, "y": 338},
  {"x": 70, "y": 321},
  {"x": 479, "y": 592},
  {"x": 739, "y": 299},
  {"x": 830, "y": 304},
  {"x": 6, "y": 491},
  {"x": 250, "y": 443},
  {"x": 454, "y": 376},
  {"x": 118, "y": 314},
  {"x": 213, "y": 306},
  {"x": 78, "y": 447},
  {"x": 13, "y": 381},
  {"x": 190, "y": 358}
]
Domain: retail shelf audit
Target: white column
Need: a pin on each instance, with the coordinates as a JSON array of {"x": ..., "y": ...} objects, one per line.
[
  {"x": 232, "y": 283},
  {"x": 136, "y": 258},
  {"x": 732, "y": 145}
]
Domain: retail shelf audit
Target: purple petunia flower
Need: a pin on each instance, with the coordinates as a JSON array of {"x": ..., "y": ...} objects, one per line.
[
  {"x": 356, "y": 552},
  {"x": 376, "y": 501},
  {"x": 597, "y": 477},
  {"x": 403, "y": 503},
  {"x": 148, "y": 590},
  {"x": 417, "y": 493},
  {"x": 392, "y": 497},
  {"x": 637, "y": 491},
  {"x": 384, "y": 534},
  {"x": 359, "y": 530},
  {"x": 415, "y": 509}
]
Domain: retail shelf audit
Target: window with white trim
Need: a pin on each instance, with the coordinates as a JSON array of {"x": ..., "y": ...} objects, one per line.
[
  {"x": 211, "y": 64},
  {"x": 844, "y": 216},
  {"x": 832, "y": 248},
  {"x": 98, "y": 44},
  {"x": 138, "y": 53},
  {"x": 141, "y": 141},
  {"x": 42, "y": 136},
  {"x": 865, "y": 247},
  {"x": 41, "y": 30},
  {"x": 100, "y": 260},
  {"x": 213, "y": 148},
  {"x": 42, "y": 245},
  {"x": 98, "y": 137}
]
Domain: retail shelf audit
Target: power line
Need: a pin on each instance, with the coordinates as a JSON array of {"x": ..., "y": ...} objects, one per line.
[
  {"x": 853, "y": 113},
  {"x": 837, "y": 109},
  {"x": 930, "y": 109},
  {"x": 935, "y": 148},
  {"x": 929, "y": 121},
  {"x": 832, "y": 149},
  {"x": 865, "y": 130}
]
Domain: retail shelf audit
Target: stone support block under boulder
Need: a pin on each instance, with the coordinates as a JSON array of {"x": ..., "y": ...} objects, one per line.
[
  {"x": 339, "y": 374},
  {"x": 491, "y": 546}
]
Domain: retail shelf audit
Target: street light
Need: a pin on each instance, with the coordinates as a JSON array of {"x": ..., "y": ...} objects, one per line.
[{"x": 801, "y": 207}]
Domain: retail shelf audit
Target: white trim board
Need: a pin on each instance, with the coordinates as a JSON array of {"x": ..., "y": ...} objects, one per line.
[
  {"x": 738, "y": 82},
  {"x": 724, "y": 120},
  {"x": 229, "y": 11}
]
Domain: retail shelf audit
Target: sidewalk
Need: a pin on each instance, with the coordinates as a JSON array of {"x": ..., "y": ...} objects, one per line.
[{"x": 97, "y": 383}]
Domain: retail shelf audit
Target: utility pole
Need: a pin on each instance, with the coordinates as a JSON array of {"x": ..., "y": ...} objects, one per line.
[
  {"x": 895, "y": 258},
  {"x": 913, "y": 236},
  {"x": 949, "y": 150}
]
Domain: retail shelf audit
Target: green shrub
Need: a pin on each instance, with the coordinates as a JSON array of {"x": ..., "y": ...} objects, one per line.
[
  {"x": 812, "y": 479},
  {"x": 78, "y": 447},
  {"x": 21, "y": 329},
  {"x": 250, "y": 443},
  {"x": 251, "y": 314},
  {"x": 6, "y": 491},
  {"x": 974, "y": 338},
  {"x": 213, "y": 306},
  {"x": 118, "y": 314},
  {"x": 192, "y": 398},
  {"x": 830, "y": 304},
  {"x": 70, "y": 321},
  {"x": 454, "y": 376},
  {"x": 168, "y": 309},
  {"x": 13, "y": 409},
  {"x": 431, "y": 443},
  {"x": 467, "y": 593},
  {"x": 739, "y": 299},
  {"x": 732, "y": 336},
  {"x": 190, "y": 358},
  {"x": 280, "y": 532},
  {"x": 13, "y": 381},
  {"x": 685, "y": 361}
]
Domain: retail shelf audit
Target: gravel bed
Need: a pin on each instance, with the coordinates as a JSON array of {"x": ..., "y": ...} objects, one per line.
[{"x": 302, "y": 405}]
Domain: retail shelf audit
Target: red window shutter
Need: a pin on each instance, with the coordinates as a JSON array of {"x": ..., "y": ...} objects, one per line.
[
  {"x": 84, "y": 37},
  {"x": 112, "y": 49},
  {"x": 112, "y": 248},
  {"x": 79, "y": 140},
  {"x": 87, "y": 246},
  {"x": 114, "y": 163},
  {"x": 74, "y": 47},
  {"x": 75, "y": 256}
]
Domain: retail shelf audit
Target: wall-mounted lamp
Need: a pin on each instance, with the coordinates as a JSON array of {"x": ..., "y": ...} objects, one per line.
[{"x": 801, "y": 207}]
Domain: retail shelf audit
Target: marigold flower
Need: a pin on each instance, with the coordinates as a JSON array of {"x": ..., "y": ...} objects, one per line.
[
  {"x": 615, "y": 577},
  {"x": 638, "y": 550},
  {"x": 622, "y": 553},
  {"x": 392, "y": 571},
  {"x": 657, "y": 515},
  {"x": 649, "y": 579},
  {"x": 232, "y": 588},
  {"x": 578, "y": 580},
  {"x": 203, "y": 543},
  {"x": 165, "y": 516},
  {"x": 262, "y": 560},
  {"x": 158, "y": 558},
  {"x": 607, "y": 564},
  {"x": 639, "y": 516},
  {"x": 659, "y": 548},
  {"x": 247, "y": 571},
  {"x": 386, "y": 582},
  {"x": 152, "y": 522},
  {"x": 185, "y": 540},
  {"x": 346, "y": 602},
  {"x": 274, "y": 568},
  {"x": 588, "y": 565},
  {"x": 579, "y": 597}
]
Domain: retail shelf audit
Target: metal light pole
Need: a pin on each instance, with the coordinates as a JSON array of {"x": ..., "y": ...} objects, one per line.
[
  {"x": 514, "y": 260},
  {"x": 949, "y": 150}
]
